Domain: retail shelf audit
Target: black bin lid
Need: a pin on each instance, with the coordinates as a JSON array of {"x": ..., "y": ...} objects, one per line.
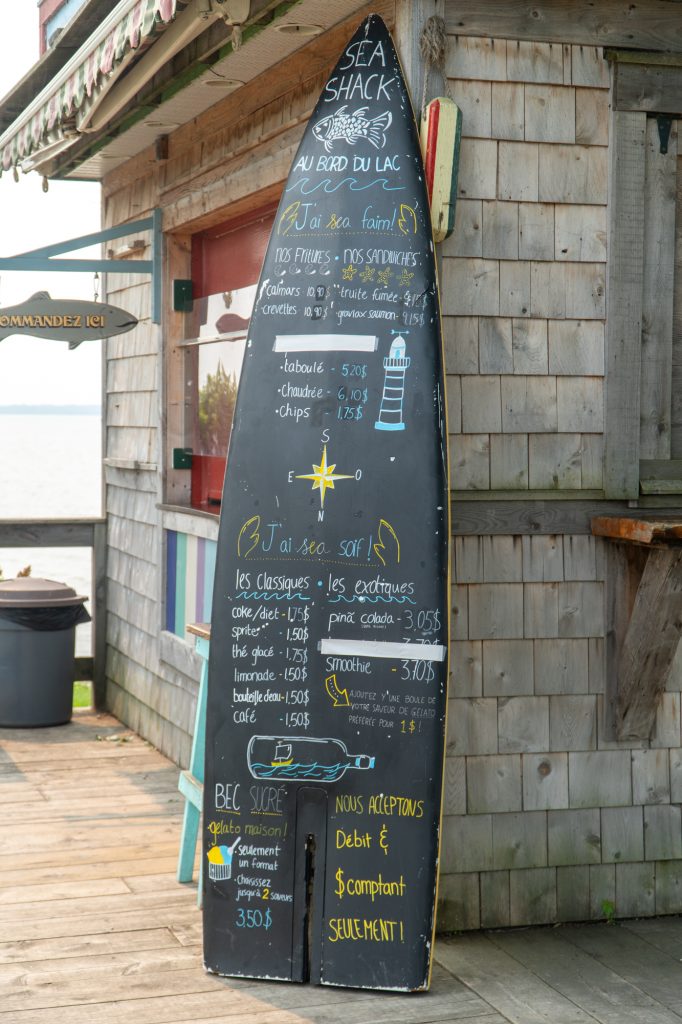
[{"x": 28, "y": 592}]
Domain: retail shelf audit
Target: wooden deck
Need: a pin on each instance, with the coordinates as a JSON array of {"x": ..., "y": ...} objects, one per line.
[{"x": 94, "y": 927}]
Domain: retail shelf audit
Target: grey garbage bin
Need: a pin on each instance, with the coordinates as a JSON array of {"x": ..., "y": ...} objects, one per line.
[{"x": 38, "y": 620}]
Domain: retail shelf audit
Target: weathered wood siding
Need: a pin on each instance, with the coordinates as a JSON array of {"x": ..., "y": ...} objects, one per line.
[
  {"x": 524, "y": 272},
  {"x": 676, "y": 413},
  {"x": 231, "y": 159},
  {"x": 546, "y": 817}
]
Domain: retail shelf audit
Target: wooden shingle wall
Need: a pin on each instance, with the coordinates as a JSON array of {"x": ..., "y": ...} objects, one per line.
[
  {"x": 524, "y": 271},
  {"x": 545, "y": 819},
  {"x": 229, "y": 160},
  {"x": 158, "y": 702}
]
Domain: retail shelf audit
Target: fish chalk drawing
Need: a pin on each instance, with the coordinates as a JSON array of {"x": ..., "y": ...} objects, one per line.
[{"x": 352, "y": 127}]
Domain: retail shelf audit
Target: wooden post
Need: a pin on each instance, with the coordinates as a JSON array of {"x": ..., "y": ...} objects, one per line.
[
  {"x": 99, "y": 606},
  {"x": 410, "y": 17},
  {"x": 171, "y": 395},
  {"x": 657, "y": 300},
  {"x": 624, "y": 309},
  {"x": 624, "y": 567},
  {"x": 650, "y": 642}
]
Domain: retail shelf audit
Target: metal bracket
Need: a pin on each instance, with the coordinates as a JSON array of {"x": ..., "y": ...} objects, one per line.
[
  {"x": 42, "y": 259},
  {"x": 664, "y": 122},
  {"x": 234, "y": 12}
]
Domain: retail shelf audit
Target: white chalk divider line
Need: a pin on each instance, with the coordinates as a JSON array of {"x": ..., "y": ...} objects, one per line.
[
  {"x": 325, "y": 343},
  {"x": 383, "y": 649}
]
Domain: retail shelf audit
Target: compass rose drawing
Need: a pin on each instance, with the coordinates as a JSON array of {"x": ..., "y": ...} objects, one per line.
[{"x": 324, "y": 477}]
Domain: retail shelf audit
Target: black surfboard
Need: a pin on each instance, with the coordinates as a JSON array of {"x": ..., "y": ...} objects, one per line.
[{"x": 328, "y": 665}]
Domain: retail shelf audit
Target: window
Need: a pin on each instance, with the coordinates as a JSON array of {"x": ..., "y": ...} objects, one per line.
[
  {"x": 226, "y": 264},
  {"x": 54, "y": 17}
]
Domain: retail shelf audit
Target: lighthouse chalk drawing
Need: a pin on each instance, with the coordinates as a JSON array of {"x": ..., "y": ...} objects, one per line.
[
  {"x": 396, "y": 364},
  {"x": 327, "y": 680}
]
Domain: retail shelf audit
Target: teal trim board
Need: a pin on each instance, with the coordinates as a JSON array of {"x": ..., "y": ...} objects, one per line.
[
  {"x": 191, "y": 781},
  {"x": 190, "y": 571},
  {"x": 45, "y": 258}
]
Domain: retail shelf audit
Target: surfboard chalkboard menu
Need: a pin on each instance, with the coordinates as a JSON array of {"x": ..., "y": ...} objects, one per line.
[{"x": 327, "y": 673}]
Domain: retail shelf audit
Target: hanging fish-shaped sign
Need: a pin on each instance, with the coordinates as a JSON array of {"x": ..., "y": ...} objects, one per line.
[
  {"x": 328, "y": 667},
  {"x": 72, "y": 320}
]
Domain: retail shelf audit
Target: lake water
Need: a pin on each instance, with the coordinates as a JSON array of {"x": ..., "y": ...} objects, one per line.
[{"x": 50, "y": 467}]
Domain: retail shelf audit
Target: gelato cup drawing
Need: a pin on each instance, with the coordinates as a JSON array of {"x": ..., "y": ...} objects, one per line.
[{"x": 220, "y": 861}]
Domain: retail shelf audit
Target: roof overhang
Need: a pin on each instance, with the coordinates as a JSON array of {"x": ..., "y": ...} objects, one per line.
[
  {"x": 143, "y": 70},
  {"x": 64, "y": 108},
  {"x": 79, "y": 28}
]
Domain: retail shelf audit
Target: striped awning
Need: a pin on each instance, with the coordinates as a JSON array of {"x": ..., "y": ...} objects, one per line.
[{"x": 54, "y": 115}]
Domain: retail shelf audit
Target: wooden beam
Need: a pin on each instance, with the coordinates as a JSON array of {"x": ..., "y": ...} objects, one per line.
[
  {"x": 656, "y": 88},
  {"x": 99, "y": 614},
  {"x": 647, "y": 531},
  {"x": 181, "y": 656},
  {"x": 660, "y": 501},
  {"x": 48, "y": 533},
  {"x": 676, "y": 413},
  {"x": 664, "y": 485},
  {"x": 624, "y": 566},
  {"x": 83, "y": 669},
  {"x": 175, "y": 483},
  {"x": 657, "y": 292},
  {"x": 643, "y": 57},
  {"x": 624, "y": 310},
  {"x": 656, "y": 25},
  {"x": 650, "y": 643},
  {"x": 293, "y": 85},
  {"x": 659, "y": 471},
  {"x": 488, "y": 518}
]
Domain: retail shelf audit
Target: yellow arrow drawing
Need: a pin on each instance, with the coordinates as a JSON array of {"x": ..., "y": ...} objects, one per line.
[
  {"x": 380, "y": 547},
  {"x": 252, "y": 524},
  {"x": 407, "y": 222},
  {"x": 339, "y": 697}
]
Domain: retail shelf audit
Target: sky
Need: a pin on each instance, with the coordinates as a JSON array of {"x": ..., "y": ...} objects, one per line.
[{"x": 33, "y": 370}]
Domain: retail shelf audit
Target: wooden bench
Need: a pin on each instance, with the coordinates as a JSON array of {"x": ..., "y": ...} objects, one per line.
[{"x": 191, "y": 782}]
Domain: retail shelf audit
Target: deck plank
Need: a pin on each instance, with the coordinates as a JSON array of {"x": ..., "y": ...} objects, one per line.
[
  {"x": 38, "y": 951},
  {"x": 35, "y": 859},
  {"x": 664, "y": 933},
  {"x": 41, "y": 874},
  {"x": 90, "y": 909},
  {"x": 591, "y": 985},
  {"x": 94, "y": 927},
  {"x": 176, "y": 916},
  {"x": 654, "y": 971},
  {"x": 94, "y": 832},
  {"x": 62, "y": 891},
  {"x": 43, "y": 976},
  {"x": 516, "y": 992},
  {"x": 447, "y": 999},
  {"x": 156, "y": 1009}
]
